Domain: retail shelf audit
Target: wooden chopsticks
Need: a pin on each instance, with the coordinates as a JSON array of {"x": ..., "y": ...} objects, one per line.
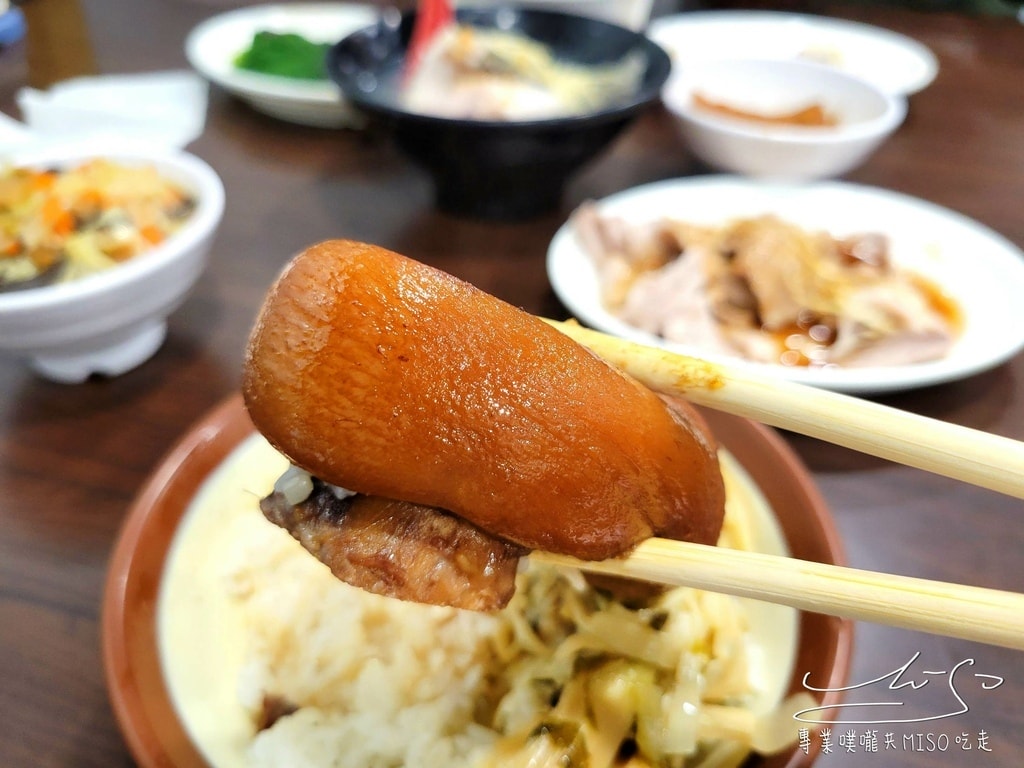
[
  {"x": 961, "y": 453},
  {"x": 982, "y": 459},
  {"x": 971, "y": 613}
]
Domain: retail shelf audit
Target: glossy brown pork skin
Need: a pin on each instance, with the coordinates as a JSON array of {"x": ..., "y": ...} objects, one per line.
[{"x": 385, "y": 376}]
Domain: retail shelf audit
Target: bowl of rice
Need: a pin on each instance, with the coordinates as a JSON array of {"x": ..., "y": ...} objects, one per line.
[{"x": 226, "y": 645}]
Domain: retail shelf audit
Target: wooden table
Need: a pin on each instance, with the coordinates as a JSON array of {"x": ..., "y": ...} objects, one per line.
[{"x": 72, "y": 457}]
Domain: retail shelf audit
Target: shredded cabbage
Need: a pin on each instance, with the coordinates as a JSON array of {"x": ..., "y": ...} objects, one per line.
[
  {"x": 584, "y": 679},
  {"x": 588, "y": 681}
]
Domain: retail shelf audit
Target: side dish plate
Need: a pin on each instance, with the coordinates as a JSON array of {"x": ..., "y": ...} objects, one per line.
[
  {"x": 212, "y": 46},
  {"x": 978, "y": 268},
  {"x": 895, "y": 62}
]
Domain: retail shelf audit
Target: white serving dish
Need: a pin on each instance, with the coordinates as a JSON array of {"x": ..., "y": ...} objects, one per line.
[
  {"x": 979, "y": 269},
  {"x": 866, "y": 116},
  {"x": 212, "y": 46},
  {"x": 895, "y": 63},
  {"x": 112, "y": 321}
]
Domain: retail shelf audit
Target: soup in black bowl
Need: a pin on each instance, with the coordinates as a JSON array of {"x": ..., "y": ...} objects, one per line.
[{"x": 512, "y": 165}]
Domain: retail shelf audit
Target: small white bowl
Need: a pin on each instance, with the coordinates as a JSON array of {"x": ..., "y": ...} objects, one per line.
[
  {"x": 866, "y": 115},
  {"x": 112, "y": 321}
]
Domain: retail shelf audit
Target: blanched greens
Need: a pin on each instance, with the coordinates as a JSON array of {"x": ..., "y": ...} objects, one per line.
[{"x": 285, "y": 54}]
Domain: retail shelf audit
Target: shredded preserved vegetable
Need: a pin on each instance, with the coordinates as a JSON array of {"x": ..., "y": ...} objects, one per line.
[
  {"x": 67, "y": 223},
  {"x": 589, "y": 680}
]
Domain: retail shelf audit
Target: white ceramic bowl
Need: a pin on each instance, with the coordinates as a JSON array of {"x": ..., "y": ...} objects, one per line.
[
  {"x": 866, "y": 116},
  {"x": 110, "y": 322}
]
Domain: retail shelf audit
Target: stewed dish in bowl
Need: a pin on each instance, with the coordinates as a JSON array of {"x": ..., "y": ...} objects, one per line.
[{"x": 102, "y": 241}]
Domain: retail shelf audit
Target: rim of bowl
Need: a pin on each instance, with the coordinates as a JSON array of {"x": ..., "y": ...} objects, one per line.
[
  {"x": 188, "y": 170},
  {"x": 677, "y": 100},
  {"x": 660, "y": 63}
]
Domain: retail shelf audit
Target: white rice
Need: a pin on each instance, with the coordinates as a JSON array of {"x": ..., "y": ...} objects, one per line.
[{"x": 378, "y": 682}]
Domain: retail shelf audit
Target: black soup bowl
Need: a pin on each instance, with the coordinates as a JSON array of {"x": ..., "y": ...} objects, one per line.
[{"x": 498, "y": 169}]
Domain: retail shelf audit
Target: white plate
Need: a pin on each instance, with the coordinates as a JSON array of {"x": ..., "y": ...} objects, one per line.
[
  {"x": 894, "y": 62},
  {"x": 211, "y": 48},
  {"x": 982, "y": 271}
]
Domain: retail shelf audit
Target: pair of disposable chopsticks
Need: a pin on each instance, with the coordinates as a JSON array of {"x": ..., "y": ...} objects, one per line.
[{"x": 982, "y": 459}]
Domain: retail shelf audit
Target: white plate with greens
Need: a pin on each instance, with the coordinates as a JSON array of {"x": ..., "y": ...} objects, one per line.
[{"x": 214, "y": 46}]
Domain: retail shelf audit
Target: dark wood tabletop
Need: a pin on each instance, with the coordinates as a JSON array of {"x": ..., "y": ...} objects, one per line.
[{"x": 72, "y": 457}]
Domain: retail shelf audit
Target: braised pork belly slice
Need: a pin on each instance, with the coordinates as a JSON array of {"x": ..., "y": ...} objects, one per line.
[{"x": 402, "y": 550}]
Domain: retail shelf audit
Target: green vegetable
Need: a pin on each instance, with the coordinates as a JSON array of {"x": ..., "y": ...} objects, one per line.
[{"x": 285, "y": 55}]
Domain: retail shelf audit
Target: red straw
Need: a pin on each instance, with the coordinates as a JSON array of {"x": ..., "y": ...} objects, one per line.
[{"x": 431, "y": 17}]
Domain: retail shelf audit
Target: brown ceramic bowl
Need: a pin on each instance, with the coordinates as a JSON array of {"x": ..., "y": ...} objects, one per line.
[{"x": 142, "y": 703}]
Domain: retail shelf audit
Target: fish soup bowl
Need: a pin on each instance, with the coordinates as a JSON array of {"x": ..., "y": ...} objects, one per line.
[
  {"x": 782, "y": 120},
  {"x": 498, "y": 168},
  {"x": 108, "y": 322}
]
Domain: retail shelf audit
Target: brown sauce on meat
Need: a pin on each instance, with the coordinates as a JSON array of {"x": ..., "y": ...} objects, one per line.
[
  {"x": 812, "y": 116},
  {"x": 815, "y": 332},
  {"x": 941, "y": 302}
]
